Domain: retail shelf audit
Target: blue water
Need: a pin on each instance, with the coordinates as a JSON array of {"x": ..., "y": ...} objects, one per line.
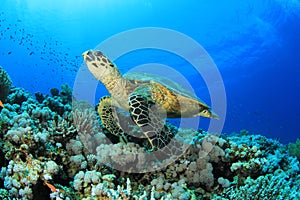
[{"x": 255, "y": 45}]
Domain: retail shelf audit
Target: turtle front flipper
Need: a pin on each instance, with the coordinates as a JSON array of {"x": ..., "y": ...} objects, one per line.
[
  {"x": 109, "y": 118},
  {"x": 147, "y": 115}
]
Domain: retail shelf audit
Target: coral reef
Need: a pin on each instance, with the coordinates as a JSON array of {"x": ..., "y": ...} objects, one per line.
[
  {"x": 294, "y": 149},
  {"x": 278, "y": 185},
  {"x": 20, "y": 176},
  {"x": 49, "y": 139},
  {"x": 5, "y": 84},
  {"x": 66, "y": 94},
  {"x": 84, "y": 117}
]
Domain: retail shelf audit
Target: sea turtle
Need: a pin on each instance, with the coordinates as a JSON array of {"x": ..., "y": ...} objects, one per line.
[{"x": 148, "y": 100}]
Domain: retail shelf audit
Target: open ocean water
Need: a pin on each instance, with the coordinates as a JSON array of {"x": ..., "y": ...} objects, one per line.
[{"x": 255, "y": 45}]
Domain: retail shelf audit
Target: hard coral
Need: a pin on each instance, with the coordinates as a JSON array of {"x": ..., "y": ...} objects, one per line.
[
  {"x": 21, "y": 175},
  {"x": 18, "y": 96},
  {"x": 48, "y": 140},
  {"x": 278, "y": 185},
  {"x": 294, "y": 149},
  {"x": 84, "y": 117},
  {"x": 94, "y": 185},
  {"x": 5, "y": 84},
  {"x": 66, "y": 94}
]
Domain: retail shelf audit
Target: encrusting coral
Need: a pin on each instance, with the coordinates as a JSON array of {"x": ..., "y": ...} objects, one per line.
[{"x": 49, "y": 139}]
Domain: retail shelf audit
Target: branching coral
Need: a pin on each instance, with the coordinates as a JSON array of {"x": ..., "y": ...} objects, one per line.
[
  {"x": 278, "y": 185},
  {"x": 94, "y": 185}
]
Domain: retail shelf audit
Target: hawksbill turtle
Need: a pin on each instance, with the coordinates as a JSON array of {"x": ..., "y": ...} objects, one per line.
[{"x": 147, "y": 100}]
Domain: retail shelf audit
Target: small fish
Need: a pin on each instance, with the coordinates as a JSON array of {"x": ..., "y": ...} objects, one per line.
[
  {"x": 1, "y": 104},
  {"x": 50, "y": 186},
  {"x": 31, "y": 53},
  {"x": 9, "y": 52}
]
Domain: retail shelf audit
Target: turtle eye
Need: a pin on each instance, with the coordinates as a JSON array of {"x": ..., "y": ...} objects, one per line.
[
  {"x": 204, "y": 112},
  {"x": 90, "y": 56},
  {"x": 89, "y": 53}
]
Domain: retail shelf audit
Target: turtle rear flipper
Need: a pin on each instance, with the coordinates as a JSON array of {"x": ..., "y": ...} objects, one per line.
[
  {"x": 146, "y": 114},
  {"x": 109, "y": 118}
]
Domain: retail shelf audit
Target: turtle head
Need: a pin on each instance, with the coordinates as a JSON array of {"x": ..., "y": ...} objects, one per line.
[
  {"x": 209, "y": 114},
  {"x": 99, "y": 65}
]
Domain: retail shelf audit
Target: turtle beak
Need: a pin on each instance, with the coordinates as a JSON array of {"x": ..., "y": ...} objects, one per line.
[
  {"x": 213, "y": 115},
  {"x": 85, "y": 54}
]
